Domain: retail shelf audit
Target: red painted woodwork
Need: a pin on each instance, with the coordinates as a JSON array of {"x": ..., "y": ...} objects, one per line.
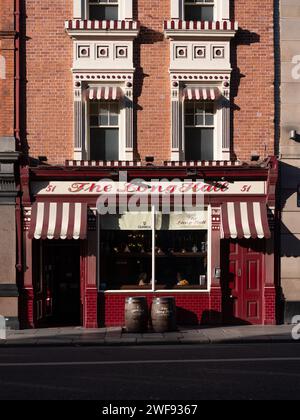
[{"x": 242, "y": 281}]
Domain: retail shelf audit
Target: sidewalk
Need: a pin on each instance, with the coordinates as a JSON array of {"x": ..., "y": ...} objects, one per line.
[{"x": 78, "y": 336}]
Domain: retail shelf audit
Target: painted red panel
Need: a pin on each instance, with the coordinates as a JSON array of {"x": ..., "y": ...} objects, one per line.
[
  {"x": 252, "y": 275},
  {"x": 252, "y": 309}
]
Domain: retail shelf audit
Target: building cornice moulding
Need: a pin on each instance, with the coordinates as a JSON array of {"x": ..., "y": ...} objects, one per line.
[
  {"x": 78, "y": 29},
  {"x": 203, "y": 29}
]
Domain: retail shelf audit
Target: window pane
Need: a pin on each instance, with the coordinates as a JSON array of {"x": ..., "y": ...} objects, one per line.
[
  {"x": 114, "y": 108},
  {"x": 101, "y": 12},
  {"x": 104, "y": 144},
  {"x": 175, "y": 271},
  {"x": 198, "y": 12},
  {"x": 199, "y": 144},
  {"x": 189, "y": 107},
  {"x": 209, "y": 107},
  {"x": 94, "y": 121},
  {"x": 125, "y": 260},
  {"x": 200, "y": 106},
  {"x": 189, "y": 120},
  {"x": 103, "y": 108},
  {"x": 209, "y": 119},
  {"x": 207, "y": 143},
  {"x": 114, "y": 120},
  {"x": 114, "y": 114},
  {"x": 200, "y": 119},
  {"x": 103, "y": 120},
  {"x": 207, "y": 13},
  {"x": 93, "y": 108}
]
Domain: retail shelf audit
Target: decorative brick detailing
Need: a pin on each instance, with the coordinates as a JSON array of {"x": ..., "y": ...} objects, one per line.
[
  {"x": 108, "y": 163},
  {"x": 216, "y": 219},
  {"x": 204, "y": 163},
  {"x": 90, "y": 315},
  {"x": 116, "y": 25},
  {"x": 225, "y": 25},
  {"x": 270, "y": 306},
  {"x": 215, "y": 313},
  {"x": 26, "y": 308},
  {"x": 192, "y": 309}
]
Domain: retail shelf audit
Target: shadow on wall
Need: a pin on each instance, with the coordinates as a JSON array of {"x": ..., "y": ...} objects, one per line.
[
  {"x": 290, "y": 179},
  {"x": 146, "y": 36},
  {"x": 243, "y": 37}
]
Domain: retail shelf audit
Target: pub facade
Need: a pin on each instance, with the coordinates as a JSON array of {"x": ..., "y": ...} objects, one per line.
[{"x": 148, "y": 165}]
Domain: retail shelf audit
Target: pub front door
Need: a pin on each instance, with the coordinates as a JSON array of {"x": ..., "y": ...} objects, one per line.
[
  {"x": 242, "y": 281},
  {"x": 58, "y": 294}
]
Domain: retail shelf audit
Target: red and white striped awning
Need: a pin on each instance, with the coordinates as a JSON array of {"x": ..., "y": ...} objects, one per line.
[
  {"x": 58, "y": 221},
  {"x": 104, "y": 93},
  {"x": 245, "y": 220},
  {"x": 195, "y": 93}
]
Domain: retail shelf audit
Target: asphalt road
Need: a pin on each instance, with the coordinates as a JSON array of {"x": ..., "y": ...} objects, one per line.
[{"x": 256, "y": 371}]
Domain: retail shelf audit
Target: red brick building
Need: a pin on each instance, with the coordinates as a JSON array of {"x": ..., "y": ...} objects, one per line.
[
  {"x": 166, "y": 90},
  {"x": 9, "y": 141}
]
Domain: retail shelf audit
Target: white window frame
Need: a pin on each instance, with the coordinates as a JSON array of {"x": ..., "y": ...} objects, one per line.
[
  {"x": 173, "y": 291},
  {"x": 104, "y": 126},
  {"x": 81, "y": 9},
  {"x": 197, "y": 3},
  {"x": 221, "y": 10},
  {"x": 123, "y": 154},
  {"x": 218, "y": 132},
  {"x": 215, "y": 152}
]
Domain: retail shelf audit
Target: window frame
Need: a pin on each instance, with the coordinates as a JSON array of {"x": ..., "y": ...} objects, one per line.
[
  {"x": 121, "y": 127},
  {"x": 200, "y": 4},
  {"x": 217, "y": 137},
  {"x": 109, "y": 126},
  {"x": 208, "y": 208},
  {"x": 103, "y": 3},
  {"x": 81, "y": 9},
  {"x": 221, "y": 10}
]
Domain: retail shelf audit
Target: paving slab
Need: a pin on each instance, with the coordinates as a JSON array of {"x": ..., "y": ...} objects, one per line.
[{"x": 117, "y": 336}]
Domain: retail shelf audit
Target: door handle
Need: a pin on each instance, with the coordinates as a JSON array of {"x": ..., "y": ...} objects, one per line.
[{"x": 239, "y": 273}]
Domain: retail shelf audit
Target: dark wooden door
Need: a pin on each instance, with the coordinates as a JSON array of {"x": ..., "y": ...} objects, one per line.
[
  {"x": 59, "y": 297},
  {"x": 242, "y": 281}
]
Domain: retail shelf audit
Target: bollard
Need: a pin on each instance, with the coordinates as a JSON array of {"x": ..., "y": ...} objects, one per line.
[{"x": 2, "y": 328}]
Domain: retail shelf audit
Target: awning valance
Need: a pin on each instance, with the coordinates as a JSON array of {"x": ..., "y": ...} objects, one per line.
[
  {"x": 58, "y": 221},
  {"x": 245, "y": 220},
  {"x": 104, "y": 93},
  {"x": 196, "y": 93}
]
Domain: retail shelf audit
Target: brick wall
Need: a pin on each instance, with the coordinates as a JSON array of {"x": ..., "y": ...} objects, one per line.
[
  {"x": 7, "y": 68},
  {"x": 49, "y": 93},
  {"x": 253, "y": 63},
  {"x": 49, "y": 89},
  {"x": 270, "y": 306},
  {"x": 192, "y": 309}
]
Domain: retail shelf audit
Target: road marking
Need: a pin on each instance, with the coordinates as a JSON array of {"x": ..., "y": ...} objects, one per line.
[{"x": 152, "y": 362}]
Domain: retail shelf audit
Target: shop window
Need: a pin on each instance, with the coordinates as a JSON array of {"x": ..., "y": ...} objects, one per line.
[
  {"x": 104, "y": 130},
  {"x": 199, "y": 10},
  {"x": 199, "y": 130},
  {"x": 181, "y": 255},
  {"x": 103, "y": 9}
]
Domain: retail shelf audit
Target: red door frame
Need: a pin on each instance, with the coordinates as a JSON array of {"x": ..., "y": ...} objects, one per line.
[{"x": 235, "y": 269}]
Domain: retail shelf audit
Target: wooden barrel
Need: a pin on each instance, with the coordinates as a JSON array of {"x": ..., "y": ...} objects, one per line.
[
  {"x": 136, "y": 314},
  {"x": 163, "y": 314}
]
